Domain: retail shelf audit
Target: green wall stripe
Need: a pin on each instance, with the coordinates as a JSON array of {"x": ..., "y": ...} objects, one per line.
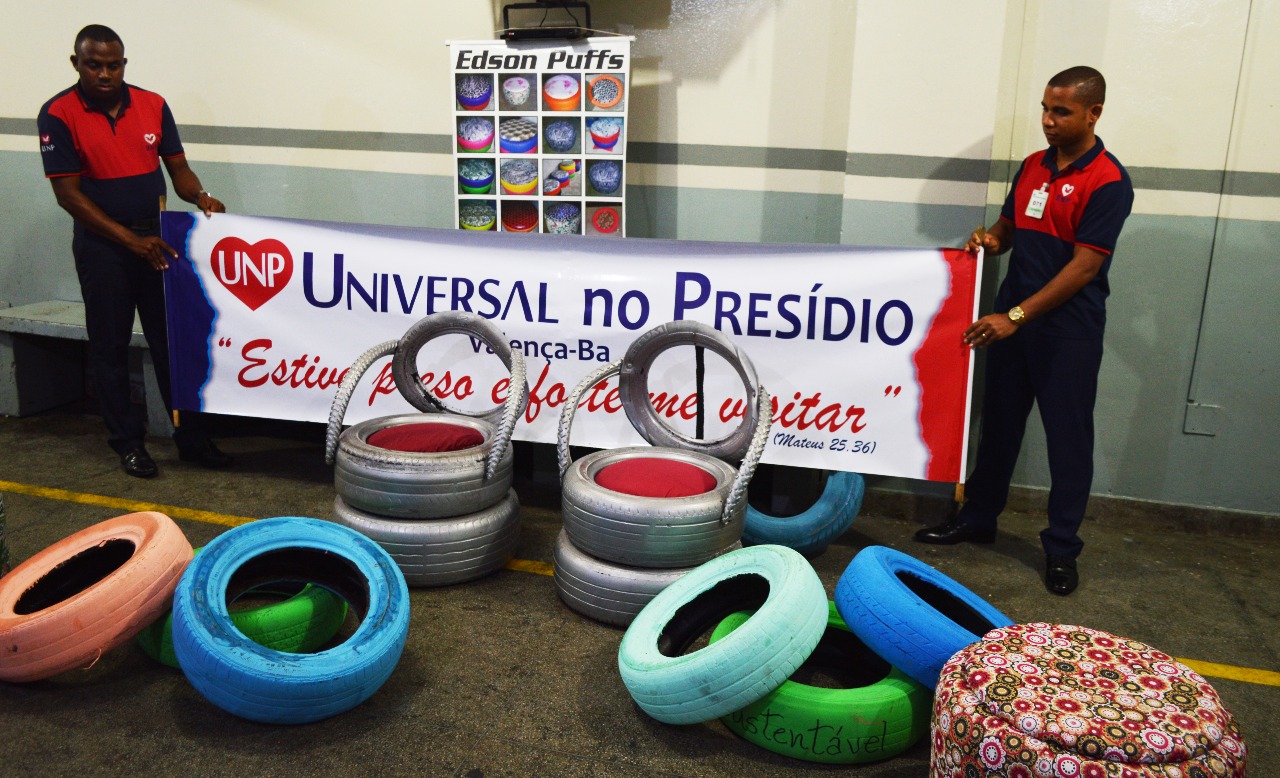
[{"x": 1245, "y": 183}]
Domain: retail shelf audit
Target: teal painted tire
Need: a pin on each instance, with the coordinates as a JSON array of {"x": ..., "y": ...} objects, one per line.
[
  {"x": 880, "y": 713},
  {"x": 811, "y": 531},
  {"x": 299, "y": 624},
  {"x": 790, "y": 616}
]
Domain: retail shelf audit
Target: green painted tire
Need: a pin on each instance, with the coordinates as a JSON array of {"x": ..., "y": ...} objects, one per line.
[
  {"x": 863, "y": 721},
  {"x": 299, "y": 624}
]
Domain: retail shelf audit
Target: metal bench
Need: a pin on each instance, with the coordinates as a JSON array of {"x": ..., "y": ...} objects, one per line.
[{"x": 42, "y": 362}]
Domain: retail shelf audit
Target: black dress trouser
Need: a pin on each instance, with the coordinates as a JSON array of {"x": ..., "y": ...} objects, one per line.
[
  {"x": 1060, "y": 376},
  {"x": 114, "y": 282}
]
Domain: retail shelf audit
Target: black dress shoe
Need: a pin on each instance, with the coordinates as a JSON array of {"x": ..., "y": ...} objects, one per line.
[
  {"x": 206, "y": 455},
  {"x": 138, "y": 463},
  {"x": 1060, "y": 575},
  {"x": 953, "y": 531}
]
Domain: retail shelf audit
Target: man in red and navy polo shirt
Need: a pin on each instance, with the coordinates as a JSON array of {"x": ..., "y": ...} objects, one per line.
[
  {"x": 1062, "y": 219},
  {"x": 102, "y": 142}
]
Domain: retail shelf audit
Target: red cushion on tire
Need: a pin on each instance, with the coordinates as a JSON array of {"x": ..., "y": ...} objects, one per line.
[
  {"x": 426, "y": 438},
  {"x": 656, "y": 477}
]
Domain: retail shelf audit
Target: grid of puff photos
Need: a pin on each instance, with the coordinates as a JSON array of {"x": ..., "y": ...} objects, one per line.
[{"x": 541, "y": 152}]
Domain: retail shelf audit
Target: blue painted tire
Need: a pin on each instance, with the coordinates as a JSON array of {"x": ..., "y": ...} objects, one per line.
[
  {"x": 261, "y": 684},
  {"x": 910, "y": 614},
  {"x": 813, "y": 530},
  {"x": 790, "y": 617}
]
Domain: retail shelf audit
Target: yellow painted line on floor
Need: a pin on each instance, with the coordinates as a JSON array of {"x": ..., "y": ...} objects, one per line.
[
  {"x": 530, "y": 566},
  {"x": 1233, "y": 673},
  {"x": 132, "y": 506},
  {"x": 1208, "y": 669}
]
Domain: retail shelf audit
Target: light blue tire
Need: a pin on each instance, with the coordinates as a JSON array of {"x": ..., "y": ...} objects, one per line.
[
  {"x": 790, "y": 616},
  {"x": 261, "y": 684},
  {"x": 910, "y": 614},
  {"x": 813, "y": 530}
]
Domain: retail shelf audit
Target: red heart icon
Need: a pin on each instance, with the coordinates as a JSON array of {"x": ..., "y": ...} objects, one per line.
[{"x": 254, "y": 273}]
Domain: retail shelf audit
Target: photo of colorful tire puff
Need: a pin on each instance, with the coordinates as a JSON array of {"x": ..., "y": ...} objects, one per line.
[
  {"x": 475, "y": 176},
  {"x": 519, "y": 177},
  {"x": 564, "y": 219},
  {"x": 605, "y": 133},
  {"x": 605, "y": 176},
  {"x": 568, "y": 184},
  {"x": 605, "y": 220},
  {"x": 475, "y": 134},
  {"x": 519, "y": 216},
  {"x": 474, "y": 91},
  {"x": 477, "y": 215},
  {"x": 561, "y": 135},
  {"x": 604, "y": 92},
  {"x": 516, "y": 90},
  {"x": 571, "y": 166},
  {"x": 517, "y": 136},
  {"x": 561, "y": 92},
  {"x": 551, "y": 187}
]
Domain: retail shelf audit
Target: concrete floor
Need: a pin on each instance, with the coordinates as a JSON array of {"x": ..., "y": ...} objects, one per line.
[{"x": 500, "y": 679}]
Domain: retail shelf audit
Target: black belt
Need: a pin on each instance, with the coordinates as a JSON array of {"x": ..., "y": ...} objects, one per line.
[{"x": 142, "y": 225}]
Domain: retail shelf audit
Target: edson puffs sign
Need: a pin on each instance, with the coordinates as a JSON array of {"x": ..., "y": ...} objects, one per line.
[{"x": 860, "y": 348}]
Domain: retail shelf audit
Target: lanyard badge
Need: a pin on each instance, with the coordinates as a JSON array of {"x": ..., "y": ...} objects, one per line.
[{"x": 1039, "y": 199}]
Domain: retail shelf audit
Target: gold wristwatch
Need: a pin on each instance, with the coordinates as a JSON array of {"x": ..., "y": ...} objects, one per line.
[{"x": 1017, "y": 315}]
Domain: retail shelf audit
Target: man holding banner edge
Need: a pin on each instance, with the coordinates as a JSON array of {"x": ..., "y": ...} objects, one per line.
[
  {"x": 101, "y": 143},
  {"x": 1062, "y": 218}
]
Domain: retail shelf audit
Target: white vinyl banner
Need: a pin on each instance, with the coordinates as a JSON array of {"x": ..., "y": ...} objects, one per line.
[{"x": 861, "y": 349}]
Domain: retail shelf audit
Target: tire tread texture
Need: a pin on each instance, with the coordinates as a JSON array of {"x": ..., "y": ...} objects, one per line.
[
  {"x": 440, "y": 552},
  {"x": 811, "y": 531},
  {"x": 261, "y": 684},
  {"x": 897, "y": 624},
  {"x": 735, "y": 672},
  {"x": 77, "y": 630}
]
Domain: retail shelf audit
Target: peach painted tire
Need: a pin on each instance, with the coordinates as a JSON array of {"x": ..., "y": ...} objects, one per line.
[{"x": 88, "y": 593}]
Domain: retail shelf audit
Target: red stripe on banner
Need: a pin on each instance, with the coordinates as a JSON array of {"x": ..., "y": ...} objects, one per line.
[{"x": 942, "y": 359}]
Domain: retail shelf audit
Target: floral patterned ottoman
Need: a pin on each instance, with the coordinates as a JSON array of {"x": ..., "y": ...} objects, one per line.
[{"x": 1055, "y": 700}]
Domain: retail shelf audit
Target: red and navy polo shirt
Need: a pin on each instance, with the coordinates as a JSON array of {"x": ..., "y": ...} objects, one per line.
[
  {"x": 1087, "y": 205},
  {"x": 117, "y": 159}
]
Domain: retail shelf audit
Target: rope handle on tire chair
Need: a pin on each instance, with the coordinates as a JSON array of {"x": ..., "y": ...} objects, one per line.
[
  {"x": 512, "y": 407},
  {"x": 749, "y": 462},
  {"x": 571, "y": 406},
  {"x": 338, "y": 410}
]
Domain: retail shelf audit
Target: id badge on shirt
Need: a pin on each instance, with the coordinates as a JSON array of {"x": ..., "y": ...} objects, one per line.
[{"x": 1039, "y": 199}]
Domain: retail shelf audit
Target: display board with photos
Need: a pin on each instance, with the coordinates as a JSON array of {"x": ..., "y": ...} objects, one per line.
[{"x": 541, "y": 135}]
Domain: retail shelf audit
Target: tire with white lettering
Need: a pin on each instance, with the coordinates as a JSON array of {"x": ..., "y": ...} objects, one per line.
[
  {"x": 419, "y": 485},
  {"x": 88, "y": 593},
  {"x": 300, "y": 622},
  {"x": 439, "y": 552},
  {"x": 811, "y": 531},
  {"x": 259, "y": 683},
  {"x": 909, "y": 613},
  {"x": 647, "y": 531},
  {"x": 876, "y": 712},
  {"x": 604, "y": 591},
  {"x": 790, "y": 615}
]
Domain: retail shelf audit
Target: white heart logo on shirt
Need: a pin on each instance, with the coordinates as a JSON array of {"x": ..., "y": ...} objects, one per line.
[
  {"x": 150, "y": 138},
  {"x": 1067, "y": 189}
]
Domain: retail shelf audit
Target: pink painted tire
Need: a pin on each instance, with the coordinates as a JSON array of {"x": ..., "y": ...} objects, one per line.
[
  {"x": 88, "y": 593},
  {"x": 1055, "y": 700}
]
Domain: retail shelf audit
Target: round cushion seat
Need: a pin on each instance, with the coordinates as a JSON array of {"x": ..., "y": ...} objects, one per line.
[
  {"x": 656, "y": 477},
  {"x": 1056, "y": 700}
]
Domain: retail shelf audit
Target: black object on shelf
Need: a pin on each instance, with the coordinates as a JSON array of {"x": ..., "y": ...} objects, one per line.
[{"x": 542, "y": 31}]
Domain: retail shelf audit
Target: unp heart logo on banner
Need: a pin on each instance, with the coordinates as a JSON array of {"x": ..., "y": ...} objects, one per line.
[{"x": 254, "y": 274}]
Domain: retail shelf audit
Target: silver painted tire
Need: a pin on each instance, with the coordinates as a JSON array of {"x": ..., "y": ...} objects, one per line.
[
  {"x": 606, "y": 592},
  {"x": 648, "y": 532},
  {"x": 414, "y": 485},
  {"x": 404, "y": 365},
  {"x": 633, "y": 388},
  {"x": 439, "y": 552}
]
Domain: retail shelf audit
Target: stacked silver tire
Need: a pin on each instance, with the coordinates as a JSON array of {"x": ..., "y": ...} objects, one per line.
[
  {"x": 617, "y": 551},
  {"x": 444, "y": 516}
]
